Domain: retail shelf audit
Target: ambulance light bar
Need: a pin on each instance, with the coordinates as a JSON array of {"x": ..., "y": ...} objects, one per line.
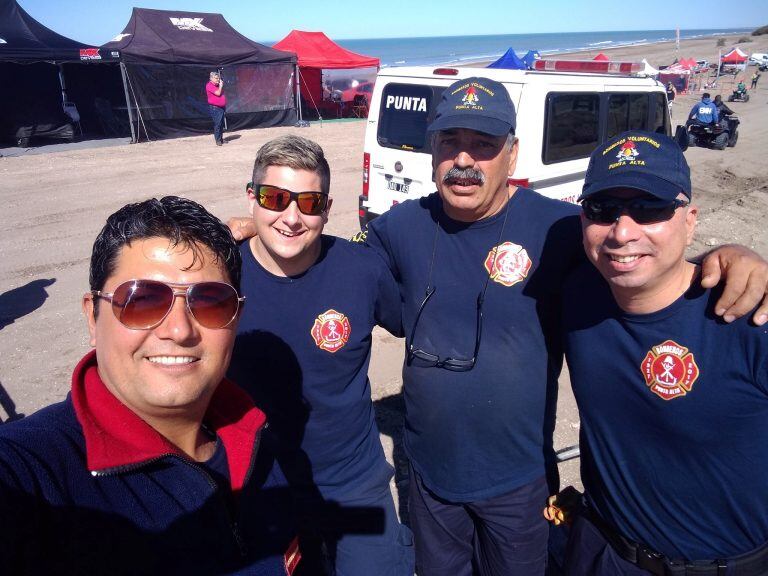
[{"x": 593, "y": 66}]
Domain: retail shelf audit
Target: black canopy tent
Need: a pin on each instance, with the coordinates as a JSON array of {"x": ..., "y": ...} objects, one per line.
[
  {"x": 32, "y": 64},
  {"x": 166, "y": 57}
]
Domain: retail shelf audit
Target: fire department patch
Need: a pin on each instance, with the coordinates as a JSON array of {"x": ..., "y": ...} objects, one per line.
[
  {"x": 331, "y": 331},
  {"x": 627, "y": 152},
  {"x": 508, "y": 264},
  {"x": 669, "y": 370}
]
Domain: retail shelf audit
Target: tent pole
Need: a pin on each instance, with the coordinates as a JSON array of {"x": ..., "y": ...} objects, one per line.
[
  {"x": 128, "y": 103},
  {"x": 298, "y": 92},
  {"x": 62, "y": 83}
]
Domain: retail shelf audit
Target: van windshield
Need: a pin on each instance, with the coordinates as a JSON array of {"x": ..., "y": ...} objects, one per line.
[{"x": 406, "y": 111}]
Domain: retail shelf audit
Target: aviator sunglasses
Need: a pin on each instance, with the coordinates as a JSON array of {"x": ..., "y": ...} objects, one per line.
[
  {"x": 607, "y": 210},
  {"x": 144, "y": 304},
  {"x": 278, "y": 199}
]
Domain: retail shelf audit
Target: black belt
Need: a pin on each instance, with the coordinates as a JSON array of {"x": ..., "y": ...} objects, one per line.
[{"x": 754, "y": 563}]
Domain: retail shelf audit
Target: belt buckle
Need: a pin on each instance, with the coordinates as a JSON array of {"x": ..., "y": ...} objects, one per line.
[{"x": 650, "y": 560}]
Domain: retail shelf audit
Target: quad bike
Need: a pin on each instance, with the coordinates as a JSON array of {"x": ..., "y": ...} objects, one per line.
[
  {"x": 739, "y": 96},
  {"x": 717, "y": 136}
]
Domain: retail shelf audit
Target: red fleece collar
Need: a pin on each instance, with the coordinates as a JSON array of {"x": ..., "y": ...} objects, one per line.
[{"x": 116, "y": 436}]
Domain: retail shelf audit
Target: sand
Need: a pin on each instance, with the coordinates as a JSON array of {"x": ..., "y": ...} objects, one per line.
[{"x": 54, "y": 204}]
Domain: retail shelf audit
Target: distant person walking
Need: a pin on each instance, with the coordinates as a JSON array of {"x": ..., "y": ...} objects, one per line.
[
  {"x": 671, "y": 94},
  {"x": 217, "y": 103},
  {"x": 755, "y": 78}
]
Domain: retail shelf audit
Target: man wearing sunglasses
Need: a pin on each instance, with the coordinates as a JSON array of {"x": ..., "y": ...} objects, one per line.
[
  {"x": 153, "y": 464},
  {"x": 303, "y": 350},
  {"x": 673, "y": 401},
  {"x": 480, "y": 265}
]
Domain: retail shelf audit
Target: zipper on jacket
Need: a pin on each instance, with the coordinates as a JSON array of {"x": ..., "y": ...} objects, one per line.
[{"x": 233, "y": 525}]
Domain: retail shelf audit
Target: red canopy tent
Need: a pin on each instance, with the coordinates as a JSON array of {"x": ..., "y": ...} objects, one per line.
[
  {"x": 679, "y": 74},
  {"x": 316, "y": 52},
  {"x": 601, "y": 58},
  {"x": 735, "y": 56}
]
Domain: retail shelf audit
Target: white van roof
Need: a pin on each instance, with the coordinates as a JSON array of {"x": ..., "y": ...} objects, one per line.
[{"x": 514, "y": 76}]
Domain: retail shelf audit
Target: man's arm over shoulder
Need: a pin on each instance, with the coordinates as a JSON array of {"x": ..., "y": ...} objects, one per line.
[{"x": 376, "y": 236}]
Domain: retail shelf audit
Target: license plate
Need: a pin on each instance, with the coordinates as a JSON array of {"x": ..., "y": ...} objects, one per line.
[{"x": 397, "y": 187}]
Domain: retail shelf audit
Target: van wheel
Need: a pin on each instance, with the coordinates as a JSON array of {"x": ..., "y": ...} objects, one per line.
[
  {"x": 733, "y": 139},
  {"x": 721, "y": 141}
]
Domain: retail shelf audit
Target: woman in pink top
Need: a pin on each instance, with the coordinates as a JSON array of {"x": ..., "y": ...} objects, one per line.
[{"x": 217, "y": 104}]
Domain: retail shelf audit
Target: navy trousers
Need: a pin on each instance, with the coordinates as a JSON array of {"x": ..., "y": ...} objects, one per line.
[
  {"x": 217, "y": 115},
  {"x": 359, "y": 537},
  {"x": 589, "y": 554},
  {"x": 501, "y": 536}
]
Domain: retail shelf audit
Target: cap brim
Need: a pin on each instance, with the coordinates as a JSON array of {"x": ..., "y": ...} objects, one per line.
[
  {"x": 484, "y": 124},
  {"x": 648, "y": 183}
]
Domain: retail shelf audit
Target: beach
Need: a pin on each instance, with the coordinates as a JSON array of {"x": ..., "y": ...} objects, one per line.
[{"x": 54, "y": 205}]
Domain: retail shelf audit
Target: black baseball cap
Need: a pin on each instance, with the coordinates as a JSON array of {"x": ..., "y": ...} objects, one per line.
[
  {"x": 475, "y": 103},
  {"x": 645, "y": 161}
]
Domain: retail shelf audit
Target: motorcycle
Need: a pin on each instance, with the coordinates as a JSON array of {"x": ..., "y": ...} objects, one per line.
[
  {"x": 739, "y": 96},
  {"x": 723, "y": 134}
]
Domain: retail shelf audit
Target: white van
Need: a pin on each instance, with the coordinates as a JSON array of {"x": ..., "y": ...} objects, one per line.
[{"x": 561, "y": 118}]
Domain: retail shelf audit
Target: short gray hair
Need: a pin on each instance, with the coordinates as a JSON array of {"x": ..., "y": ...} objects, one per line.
[{"x": 294, "y": 152}]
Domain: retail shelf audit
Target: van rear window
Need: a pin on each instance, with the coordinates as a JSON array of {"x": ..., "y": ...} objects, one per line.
[
  {"x": 626, "y": 112},
  {"x": 572, "y": 126},
  {"x": 406, "y": 111},
  {"x": 660, "y": 117}
]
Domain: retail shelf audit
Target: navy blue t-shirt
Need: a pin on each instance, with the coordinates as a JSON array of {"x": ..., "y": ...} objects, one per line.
[
  {"x": 302, "y": 352},
  {"x": 478, "y": 434},
  {"x": 674, "y": 420}
]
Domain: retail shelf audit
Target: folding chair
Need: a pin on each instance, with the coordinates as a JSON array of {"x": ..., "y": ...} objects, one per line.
[{"x": 71, "y": 110}]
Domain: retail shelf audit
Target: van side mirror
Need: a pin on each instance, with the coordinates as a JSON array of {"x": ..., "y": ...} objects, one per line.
[{"x": 681, "y": 137}]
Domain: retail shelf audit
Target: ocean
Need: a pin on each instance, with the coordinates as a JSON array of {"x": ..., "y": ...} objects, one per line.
[{"x": 467, "y": 49}]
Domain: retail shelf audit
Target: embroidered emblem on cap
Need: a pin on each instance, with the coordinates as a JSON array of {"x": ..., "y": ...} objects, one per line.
[
  {"x": 627, "y": 152},
  {"x": 470, "y": 97},
  {"x": 331, "y": 331},
  {"x": 508, "y": 264},
  {"x": 669, "y": 370}
]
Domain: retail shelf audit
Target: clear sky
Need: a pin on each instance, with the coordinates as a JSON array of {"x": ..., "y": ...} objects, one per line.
[{"x": 97, "y": 21}]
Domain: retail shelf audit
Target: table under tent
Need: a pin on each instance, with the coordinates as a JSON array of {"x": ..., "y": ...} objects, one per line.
[{"x": 334, "y": 82}]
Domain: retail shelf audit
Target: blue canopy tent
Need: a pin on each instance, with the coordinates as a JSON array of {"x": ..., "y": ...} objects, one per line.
[
  {"x": 530, "y": 57},
  {"x": 509, "y": 60}
]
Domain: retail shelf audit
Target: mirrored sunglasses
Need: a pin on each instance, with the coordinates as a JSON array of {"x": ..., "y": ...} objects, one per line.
[
  {"x": 144, "y": 304},
  {"x": 278, "y": 199},
  {"x": 642, "y": 210}
]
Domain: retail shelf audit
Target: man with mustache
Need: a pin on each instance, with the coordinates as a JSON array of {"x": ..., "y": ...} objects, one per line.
[{"x": 480, "y": 265}]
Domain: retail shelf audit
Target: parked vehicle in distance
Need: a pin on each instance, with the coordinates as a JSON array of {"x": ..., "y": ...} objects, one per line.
[
  {"x": 759, "y": 58},
  {"x": 702, "y": 65}
]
